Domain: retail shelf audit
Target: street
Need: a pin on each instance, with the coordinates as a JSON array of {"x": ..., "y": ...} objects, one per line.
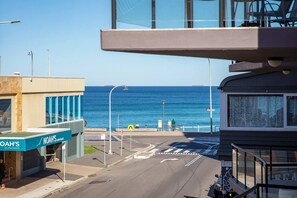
[{"x": 163, "y": 175}]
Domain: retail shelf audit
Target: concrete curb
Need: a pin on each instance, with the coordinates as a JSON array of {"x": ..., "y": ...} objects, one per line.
[
  {"x": 85, "y": 177},
  {"x": 64, "y": 187}
]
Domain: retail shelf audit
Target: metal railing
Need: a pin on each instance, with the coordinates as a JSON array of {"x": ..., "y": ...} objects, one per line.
[
  {"x": 156, "y": 14},
  {"x": 256, "y": 164},
  {"x": 273, "y": 191},
  {"x": 199, "y": 128}
]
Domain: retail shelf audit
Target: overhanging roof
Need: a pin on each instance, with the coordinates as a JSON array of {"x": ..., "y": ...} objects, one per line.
[
  {"x": 251, "y": 44},
  {"x": 33, "y": 138}
]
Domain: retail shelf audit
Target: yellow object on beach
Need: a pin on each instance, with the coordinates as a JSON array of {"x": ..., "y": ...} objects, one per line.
[{"x": 130, "y": 127}]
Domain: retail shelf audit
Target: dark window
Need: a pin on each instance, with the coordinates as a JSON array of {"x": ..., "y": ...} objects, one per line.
[
  {"x": 292, "y": 111},
  {"x": 255, "y": 111},
  {"x": 5, "y": 115}
]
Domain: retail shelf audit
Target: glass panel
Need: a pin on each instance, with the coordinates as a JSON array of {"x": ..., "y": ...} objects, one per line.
[
  {"x": 71, "y": 109},
  {"x": 234, "y": 162},
  {"x": 60, "y": 109},
  {"x": 54, "y": 110},
  {"x": 5, "y": 115},
  {"x": 206, "y": 13},
  {"x": 66, "y": 108},
  {"x": 81, "y": 110},
  {"x": 258, "y": 172},
  {"x": 134, "y": 13},
  {"x": 241, "y": 166},
  {"x": 47, "y": 110},
  {"x": 250, "y": 182},
  {"x": 255, "y": 111},
  {"x": 284, "y": 175},
  {"x": 170, "y": 13},
  {"x": 76, "y": 107},
  {"x": 292, "y": 110}
]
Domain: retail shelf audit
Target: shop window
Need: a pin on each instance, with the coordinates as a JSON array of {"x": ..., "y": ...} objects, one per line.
[
  {"x": 292, "y": 111},
  {"x": 255, "y": 111},
  {"x": 5, "y": 115},
  {"x": 32, "y": 159}
]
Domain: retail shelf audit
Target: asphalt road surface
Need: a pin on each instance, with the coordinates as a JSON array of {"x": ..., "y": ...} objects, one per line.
[{"x": 163, "y": 175}]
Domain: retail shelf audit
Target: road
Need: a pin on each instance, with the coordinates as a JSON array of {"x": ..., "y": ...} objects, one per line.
[{"x": 163, "y": 175}]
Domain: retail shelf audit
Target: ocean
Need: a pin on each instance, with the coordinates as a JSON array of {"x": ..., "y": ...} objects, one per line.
[{"x": 187, "y": 105}]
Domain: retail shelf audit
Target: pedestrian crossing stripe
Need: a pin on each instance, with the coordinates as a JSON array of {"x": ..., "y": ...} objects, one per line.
[{"x": 178, "y": 151}]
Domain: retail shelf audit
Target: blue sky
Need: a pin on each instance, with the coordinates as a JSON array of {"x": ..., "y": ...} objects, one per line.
[{"x": 70, "y": 29}]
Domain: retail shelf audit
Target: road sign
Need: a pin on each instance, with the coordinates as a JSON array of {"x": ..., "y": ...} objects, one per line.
[
  {"x": 130, "y": 127},
  {"x": 103, "y": 137}
]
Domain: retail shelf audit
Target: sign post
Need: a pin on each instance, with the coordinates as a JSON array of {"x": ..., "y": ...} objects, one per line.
[
  {"x": 103, "y": 137},
  {"x": 122, "y": 143},
  {"x": 64, "y": 151},
  {"x": 130, "y": 128}
]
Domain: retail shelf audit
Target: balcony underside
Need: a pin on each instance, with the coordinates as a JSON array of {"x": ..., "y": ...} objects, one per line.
[{"x": 251, "y": 44}]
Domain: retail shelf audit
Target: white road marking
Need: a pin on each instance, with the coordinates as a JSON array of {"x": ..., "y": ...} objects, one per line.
[
  {"x": 178, "y": 150},
  {"x": 187, "y": 151},
  {"x": 153, "y": 151},
  {"x": 193, "y": 161},
  {"x": 168, "y": 150},
  {"x": 171, "y": 159}
]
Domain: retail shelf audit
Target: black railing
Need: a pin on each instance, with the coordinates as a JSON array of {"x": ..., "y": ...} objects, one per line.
[
  {"x": 254, "y": 164},
  {"x": 258, "y": 191}
]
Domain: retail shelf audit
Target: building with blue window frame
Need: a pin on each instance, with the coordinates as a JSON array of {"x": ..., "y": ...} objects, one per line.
[{"x": 36, "y": 117}]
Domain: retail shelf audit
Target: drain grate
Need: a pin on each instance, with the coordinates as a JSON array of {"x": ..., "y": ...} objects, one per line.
[{"x": 97, "y": 182}]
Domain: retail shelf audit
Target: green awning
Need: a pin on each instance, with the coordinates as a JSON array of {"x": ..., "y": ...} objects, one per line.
[{"x": 33, "y": 138}]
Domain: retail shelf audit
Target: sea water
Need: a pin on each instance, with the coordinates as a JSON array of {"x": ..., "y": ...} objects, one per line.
[{"x": 187, "y": 105}]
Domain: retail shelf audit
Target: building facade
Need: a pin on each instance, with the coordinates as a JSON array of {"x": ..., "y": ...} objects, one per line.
[{"x": 37, "y": 116}]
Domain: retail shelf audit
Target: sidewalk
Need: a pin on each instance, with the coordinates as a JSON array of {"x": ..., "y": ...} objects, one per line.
[{"x": 50, "y": 180}]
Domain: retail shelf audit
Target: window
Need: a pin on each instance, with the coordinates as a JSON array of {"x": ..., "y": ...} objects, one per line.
[
  {"x": 5, "y": 115},
  {"x": 66, "y": 108},
  {"x": 54, "y": 115},
  {"x": 63, "y": 108},
  {"x": 255, "y": 111},
  {"x": 291, "y": 110},
  {"x": 47, "y": 111},
  {"x": 76, "y": 107},
  {"x": 71, "y": 108},
  {"x": 60, "y": 109}
]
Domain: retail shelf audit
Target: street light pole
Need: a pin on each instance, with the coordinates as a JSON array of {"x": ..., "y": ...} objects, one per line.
[
  {"x": 210, "y": 97},
  {"x": 31, "y": 54},
  {"x": 125, "y": 88},
  {"x": 163, "y": 103}
]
